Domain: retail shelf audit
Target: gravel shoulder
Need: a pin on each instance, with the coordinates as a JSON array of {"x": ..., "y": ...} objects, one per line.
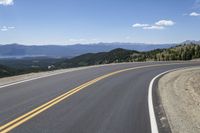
[{"x": 180, "y": 97}]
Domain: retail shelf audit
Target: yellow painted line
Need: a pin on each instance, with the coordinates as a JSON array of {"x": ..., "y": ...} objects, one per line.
[{"x": 20, "y": 120}]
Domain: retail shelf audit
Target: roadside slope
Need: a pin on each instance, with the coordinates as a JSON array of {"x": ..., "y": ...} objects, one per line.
[{"x": 180, "y": 96}]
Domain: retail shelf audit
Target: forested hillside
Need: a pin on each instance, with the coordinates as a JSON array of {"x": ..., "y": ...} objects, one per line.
[
  {"x": 181, "y": 52},
  {"x": 114, "y": 56}
]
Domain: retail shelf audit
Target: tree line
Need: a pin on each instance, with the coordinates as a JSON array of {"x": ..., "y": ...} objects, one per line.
[{"x": 180, "y": 52}]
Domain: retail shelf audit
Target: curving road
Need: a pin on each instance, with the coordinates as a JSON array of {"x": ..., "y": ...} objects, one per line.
[{"x": 116, "y": 103}]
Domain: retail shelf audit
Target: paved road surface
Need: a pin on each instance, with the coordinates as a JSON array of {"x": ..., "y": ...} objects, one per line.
[{"x": 116, "y": 104}]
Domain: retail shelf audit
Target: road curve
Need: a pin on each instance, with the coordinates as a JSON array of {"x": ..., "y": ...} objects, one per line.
[{"x": 114, "y": 104}]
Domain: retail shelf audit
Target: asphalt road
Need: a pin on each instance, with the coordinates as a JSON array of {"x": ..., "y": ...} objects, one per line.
[{"x": 115, "y": 104}]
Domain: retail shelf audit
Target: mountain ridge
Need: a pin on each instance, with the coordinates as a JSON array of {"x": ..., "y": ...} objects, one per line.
[{"x": 19, "y": 50}]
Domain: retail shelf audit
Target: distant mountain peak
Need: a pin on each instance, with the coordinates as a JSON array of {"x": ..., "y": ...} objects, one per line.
[{"x": 191, "y": 41}]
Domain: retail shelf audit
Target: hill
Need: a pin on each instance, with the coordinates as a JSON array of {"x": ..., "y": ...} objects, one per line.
[{"x": 114, "y": 56}]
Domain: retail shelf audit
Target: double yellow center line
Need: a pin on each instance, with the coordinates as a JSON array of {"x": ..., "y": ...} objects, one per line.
[{"x": 20, "y": 120}]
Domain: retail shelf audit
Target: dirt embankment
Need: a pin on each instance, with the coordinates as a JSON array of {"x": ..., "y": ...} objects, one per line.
[{"x": 180, "y": 96}]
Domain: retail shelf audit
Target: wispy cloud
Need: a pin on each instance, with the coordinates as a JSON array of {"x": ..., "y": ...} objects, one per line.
[
  {"x": 6, "y": 2},
  {"x": 194, "y": 14},
  {"x": 140, "y": 25},
  {"x": 159, "y": 25},
  {"x": 153, "y": 27},
  {"x": 6, "y": 28}
]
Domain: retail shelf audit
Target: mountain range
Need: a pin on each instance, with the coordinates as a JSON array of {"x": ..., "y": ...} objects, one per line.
[{"x": 69, "y": 51}]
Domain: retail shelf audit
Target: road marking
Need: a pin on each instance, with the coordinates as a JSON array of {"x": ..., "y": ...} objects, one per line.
[
  {"x": 154, "y": 126},
  {"x": 61, "y": 72},
  {"x": 20, "y": 120},
  {"x": 49, "y": 75}
]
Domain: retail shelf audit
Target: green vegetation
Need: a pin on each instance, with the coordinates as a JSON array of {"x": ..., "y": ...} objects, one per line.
[
  {"x": 181, "y": 52},
  {"x": 6, "y": 71},
  {"x": 114, "y": 56},
  {"x": 10, "y": 67}
]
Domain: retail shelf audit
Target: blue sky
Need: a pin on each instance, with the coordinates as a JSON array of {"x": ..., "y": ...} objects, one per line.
[{"x": 92, "y": 21}]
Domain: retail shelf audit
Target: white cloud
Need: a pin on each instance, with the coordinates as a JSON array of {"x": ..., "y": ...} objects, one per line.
[
  {"x": 194, "y": 14},
  {"x": 6, "y": 28},
  {"x": 153, "y": 27},
  {"x": 165, "y": 23},
  {"x": 159, "y": 25},
  {"x": 6, "y": 2},
  {"x": 140, "y": 25}
]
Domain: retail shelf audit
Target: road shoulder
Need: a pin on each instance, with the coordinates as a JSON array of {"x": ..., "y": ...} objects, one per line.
[
  {"x": 32, "y": 76},
  {"x": 179, "y": 93}
]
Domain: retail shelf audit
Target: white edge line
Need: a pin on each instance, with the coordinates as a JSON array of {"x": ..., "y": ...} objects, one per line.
[
  {"x": 153, "y": 123},
  {"x": 154, "y": 126},
  {"x": 47, "y": 75},
  {"x": 26, "y": 80},
  {"x": 62, "y": 72}
]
